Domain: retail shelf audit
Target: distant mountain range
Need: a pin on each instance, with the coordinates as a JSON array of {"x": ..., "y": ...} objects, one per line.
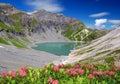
[{"x": 19, "y": 28}]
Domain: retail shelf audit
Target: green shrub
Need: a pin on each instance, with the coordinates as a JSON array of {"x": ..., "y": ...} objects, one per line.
[{"x": 109, "y": 59}]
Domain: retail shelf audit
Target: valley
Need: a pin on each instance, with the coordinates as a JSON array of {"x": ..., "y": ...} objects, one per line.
[{"x": 56, "y": 49}]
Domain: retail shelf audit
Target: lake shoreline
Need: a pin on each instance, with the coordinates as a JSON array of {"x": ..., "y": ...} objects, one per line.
[
  {"x": 57, "y": 48},
  {"x": 12, "y": 58}
]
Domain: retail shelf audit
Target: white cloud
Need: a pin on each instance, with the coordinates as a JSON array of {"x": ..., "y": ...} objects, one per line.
[
  {"x": 99, "y": 23},
  {"x": 116, "y": 22},
  {"x": 113, "y": 26},
  {"x": 99, "y": 14},
  {"x": 49, "y": 5}
]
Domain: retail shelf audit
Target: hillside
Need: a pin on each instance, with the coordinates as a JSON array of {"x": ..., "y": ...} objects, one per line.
[
  {"x": 102, "y": 50},
  {"x": 20, "y": 29}
]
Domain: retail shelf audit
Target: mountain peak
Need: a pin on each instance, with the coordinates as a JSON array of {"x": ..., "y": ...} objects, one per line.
[
  {"x": 42, "y": 10},
  {"x": 7, "y": 9},
  {"x": 36, "y": 12}
]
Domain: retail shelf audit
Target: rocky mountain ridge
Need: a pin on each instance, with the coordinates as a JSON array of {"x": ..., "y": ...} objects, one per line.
[
  {"x": 7, "y": 9},
  {"x": 19, "y": 28}
]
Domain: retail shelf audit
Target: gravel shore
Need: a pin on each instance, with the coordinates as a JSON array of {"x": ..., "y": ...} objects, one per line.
[{"x": 12, "y": 58}]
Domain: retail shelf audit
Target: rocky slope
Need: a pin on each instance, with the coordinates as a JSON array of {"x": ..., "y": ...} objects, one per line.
[
  {"x": 12, "y": 58},
  {"x": 19, "y": 28},
  {"x": 103, "y": 50}
]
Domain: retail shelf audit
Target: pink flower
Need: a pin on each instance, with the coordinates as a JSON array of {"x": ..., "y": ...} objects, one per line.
[
  {"x": 13, "y": 74},
  {"x": 50, "y": 80},
  {"x": 111, "y": 73},
  {"x": 55, "y": 82},
  {"x": 83, "y": 66},
  {"x": 100, "y": 73},
  {"x": 77, "y": 65},
  {"x": 22, "y": 73},
  {"x": 61, "y": 66},
  {"x": 67, "y": 72},
  {"x": 90, "y": 76},
  {"x": 56, "y": 68},
  {"x": 119, "y": 68},
  {"x": 94, "y": 73},
  {"x": 93, "y": 68},
  {"x": 81, "y": 72},
  {"x": 24, "y": 68},
  {"x": 105, "y": 72},
  {"x": 73, "y": 73},
  {"x": 89, "y": 66},
  {"x": 71, "y": 69},
  {"x": 4, "y": 74}
]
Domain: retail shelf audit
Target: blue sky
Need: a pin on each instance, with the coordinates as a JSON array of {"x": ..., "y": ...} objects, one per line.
[{"x": 94, "y": 13}]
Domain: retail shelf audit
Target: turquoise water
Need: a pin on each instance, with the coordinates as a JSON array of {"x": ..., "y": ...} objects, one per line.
[{"x": 57, "y": 48}]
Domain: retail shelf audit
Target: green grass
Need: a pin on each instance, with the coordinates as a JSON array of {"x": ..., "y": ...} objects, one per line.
[
  {"x": 117, "y": 51},
  {"x": 3, "y": 41},
  {"x": 68, "y": 32},
  {"x": 89, "y": 50},
  {"x": 6, "y": 27},
  {"x": 34, "y": 21},
  {"x": 109, "y": 59},
  {"x": 16, "y": 16},
  {"x": 25, "y": 39},
  {"x": 103, "y": 52},
  {"x": 79, "y": 53},
  {"x": 76, "y": 34},
  {"x": 18, "y": 43},
  {"x": 86, "y": 59},
  {"x": 9, "y": 36}
]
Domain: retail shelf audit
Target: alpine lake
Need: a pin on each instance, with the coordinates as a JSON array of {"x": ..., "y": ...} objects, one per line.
[{"x": 57, "y": 48}]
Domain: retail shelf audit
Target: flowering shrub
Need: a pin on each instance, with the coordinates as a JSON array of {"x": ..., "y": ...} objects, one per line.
[{"x": 64, "y": 74}]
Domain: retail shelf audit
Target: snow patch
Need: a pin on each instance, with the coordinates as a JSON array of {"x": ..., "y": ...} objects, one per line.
[
  {"x": 2, "y": 47},
  {"x": 30, "y": 13}
]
